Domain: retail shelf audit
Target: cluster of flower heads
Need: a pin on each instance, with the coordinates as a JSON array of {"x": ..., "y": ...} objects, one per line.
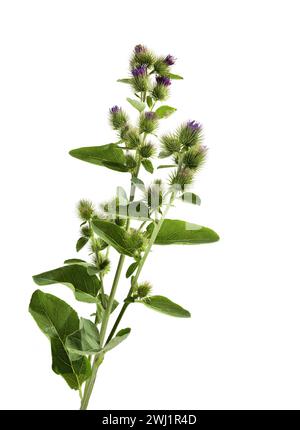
[{"x": 151, "y": 78}]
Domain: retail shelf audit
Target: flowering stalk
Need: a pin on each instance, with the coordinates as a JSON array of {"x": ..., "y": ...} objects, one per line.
[{"x": 131, "y": 226}]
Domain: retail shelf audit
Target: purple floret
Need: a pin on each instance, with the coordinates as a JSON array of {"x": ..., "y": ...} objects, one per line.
[
  {"x": 194, "y": 126},
  {"x": 163, "y": 80},
  {"x": 139, "y": 71},
  {"x": 170, "y": 60},
  {"x": 115, "y": 109},
  {"x": 139, "y": 48},
  {"x": 150, "y": 115}
]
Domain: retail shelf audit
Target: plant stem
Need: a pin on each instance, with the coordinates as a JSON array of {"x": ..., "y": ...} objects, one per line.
[{"x": 140, "y": 267}]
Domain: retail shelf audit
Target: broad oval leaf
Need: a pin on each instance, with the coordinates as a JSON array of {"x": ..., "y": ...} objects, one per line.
[
  {"x": 180, "y": 232},
  {"x": 131, "y": 269},
  {"x": 165, "y": 111},
  {"x": 57, "y": 320},
  {"x": 165, "y": 306},
  {"x": 84, "y": 341},
  {"x": 192, "y": 198},
  {"x": 75, "y": 276},
  {"x": 114, "y": 236},
  {"x": 149, "y": 102},
  {"x": 110, "y": 156},
  {"x": 115, "y": 341},
  {"x": 140, "y": 106}
]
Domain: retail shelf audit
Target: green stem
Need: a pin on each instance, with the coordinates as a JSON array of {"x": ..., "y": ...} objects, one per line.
[{"x": 140, "y": 267}]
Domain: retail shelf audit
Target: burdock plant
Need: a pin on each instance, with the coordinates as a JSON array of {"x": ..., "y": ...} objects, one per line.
[{"x": 131, "y": 223}]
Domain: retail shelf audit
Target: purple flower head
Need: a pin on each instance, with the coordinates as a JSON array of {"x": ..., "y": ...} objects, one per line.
[
  {"x": 170, "y": 60},
  {"x": 139, "y": 71},
  {"x": 163, "y": 80},
  {"x": 139, "y": 48},
  {"x": 194, "y": 126},
  {"x": 115, "y": 109},
  {"x": 150, "y": 115}
]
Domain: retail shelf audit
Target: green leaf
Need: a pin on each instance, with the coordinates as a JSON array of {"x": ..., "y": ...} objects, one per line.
[
  {"x": 75, "y": 276},
  {"x": 176, "y": 77},
  {"x": 192, "y": 198},
  {"x": 114, "y": 236},
  {"x": 110, "y": 156},
  {"x": 84, "y": 341},
  {"x": 131, "y": 269},
  {"x": 138, "y": 183},
  {"x": 165, "y": 111},
  {"x": 104, "y": 301},
  {"x": 149, "y": 102},
  {"x": 148, "y": 166},
  {"x": 120, "y": 336},
  {"x": 57, "y": 320},
  {"x": 75, "y": 261},
  {"x": 140, "y": 106},
  {"x": 166, "y": 166},
  {"x": 180, "y": 232},
  {"x": 81, "y": 242},
  {"x": 125, "y": 80},
  {"x": 165, "y": 306},
  {"x": 92, "y": 270}
]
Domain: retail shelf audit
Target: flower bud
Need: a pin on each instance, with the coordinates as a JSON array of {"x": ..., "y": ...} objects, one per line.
[
  {"x": 170, "y": 144},
  {"x": 147, "y": 150},
  {"x": 160, "y": 91},
  {"x": 148, "y": 122},
  {"x": 161, "y": 67},
  {"x": 194, "y": 157},
  {"x": 86, "y": 231},
  {"x": 181, "y": 178},
  {"x": 137, "y": 241},
  {"x": 85, "y": 210},
  {"x": 142, "y": 55},
  {"x": 190, "y": 134},
  {"x": 117, "y": 117},
  {"x": 98, "y": 245},
  {"x": 132, "y": 138},
  {"x": 143, "y": 290}
]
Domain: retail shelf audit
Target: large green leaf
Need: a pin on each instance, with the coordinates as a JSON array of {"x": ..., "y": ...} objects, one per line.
[
  {"x": 165, "y": 306},
  {"x": 57, "y": 320},
  {"x": 84, "y": 341},
  {"x": 75, "y": 276},
  {"x": 114, "y": 236},
  {"x": 180, "y": 232},
  {"x": 110, "y": 156}
]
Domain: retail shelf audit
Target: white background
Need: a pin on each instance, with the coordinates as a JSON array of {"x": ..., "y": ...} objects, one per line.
[{"x": 240, "y": 59}]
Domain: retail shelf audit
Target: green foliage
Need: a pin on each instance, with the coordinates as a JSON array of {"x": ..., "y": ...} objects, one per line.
[
  {"x": 165, "y": 306},
  {"x": 74, "y": 276},
  {"x": 57, "y": 320},
  {"x": 109, "y": 156},
  {"x": 131, "y": 222}
]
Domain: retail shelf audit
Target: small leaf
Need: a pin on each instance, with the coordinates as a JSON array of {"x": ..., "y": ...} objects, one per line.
[
  {"x": 183, "y": 233},
  {"x": 131, "y": 269},
  {"x": 120, "y": 337},
  {"x": 176, "y": 77},
  {"x": 165, "y": 306},
  {"x": 148, "y": 166},
  {"x": 191, "y": 198},
  {"x": 74, "y": 276},
  {"x": 166, "y": 166},
  {"x": 165, "y": 111},
  {"x": 138, "y": 183},
  {"x": 81, "y": 242},
  {"x": 84, "y": 341},
  {"x": 149, "y": 102},
  {"x": 104, "y": 301},
  {"x": 114, "y": 236},
  {"x": 75, "y": 261},
  {"x": 140, "y": 106},
  {"x": 109, "y": 156},
  {"x": 57, "y": 320},
  {"x": 125, "y": 80}
]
